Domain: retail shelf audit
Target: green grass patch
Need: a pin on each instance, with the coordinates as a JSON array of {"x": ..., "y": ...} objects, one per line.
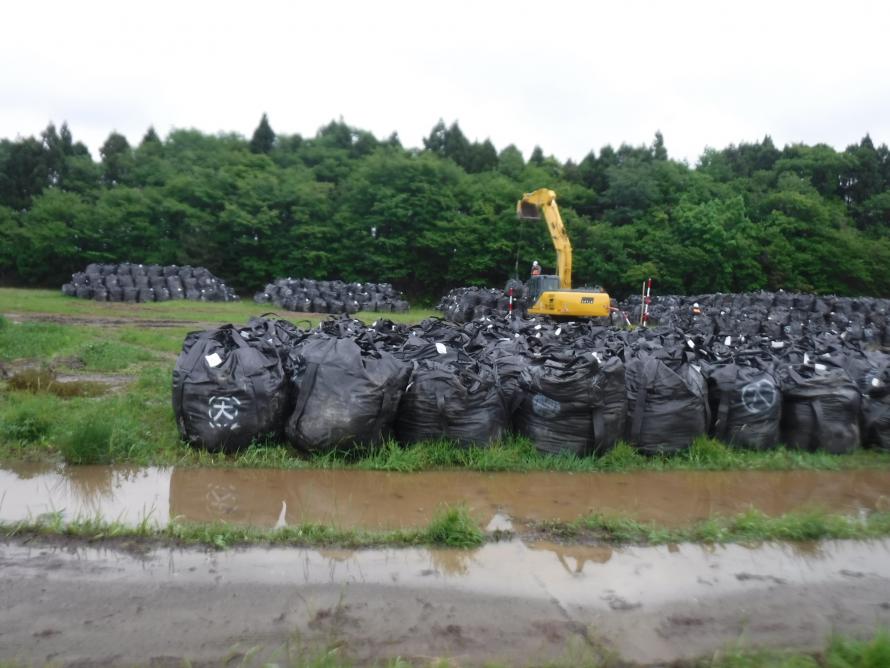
[
  {"x": 749, "y": 526},
  {"x": 453, "y": 527},
  {"x": 40, "y": 340},
  {"x": 112, "y": 356},
  {"x": 841, "y": 652},
  {"x": 515, "y": 453},
  {"x": 450, "y": 527},
  {"x": 19, "y": 300},
  {"x": 25, "y": 423}
]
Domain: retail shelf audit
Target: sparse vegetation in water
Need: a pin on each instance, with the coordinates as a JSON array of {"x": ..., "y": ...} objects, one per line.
[
  {"x": 454, "y": 527},
  {"x": 450, "y": 527},
  {"x": 45, "y": 380},
  {"x": 751, "y": 525}
]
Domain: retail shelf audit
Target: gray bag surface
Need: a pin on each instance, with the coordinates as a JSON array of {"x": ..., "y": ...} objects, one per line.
[
  {"x": 820, "y": 409},
  {"x": 345, "y": 395},
  {"x": 574, "y": 406},
  {"x": 667, "y": 407},
  {"x": 459, "y": 401},
  {"x": 746, "y": 406}
]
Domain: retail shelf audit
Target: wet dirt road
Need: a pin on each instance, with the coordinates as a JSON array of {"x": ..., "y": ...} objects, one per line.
[
  {"x": 521, "y": 604},
  {"x": 377, "y": 500}
]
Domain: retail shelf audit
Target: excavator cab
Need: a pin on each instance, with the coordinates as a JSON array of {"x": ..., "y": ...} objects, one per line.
[{"x": 538, "y": 285}]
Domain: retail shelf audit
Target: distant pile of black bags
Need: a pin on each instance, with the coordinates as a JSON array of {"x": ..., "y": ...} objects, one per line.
[
  {"x": 572, "y": 388},
  {"x": 127, "y": 282},
  {"x": 776, "y": 315},
  {"x": 464, "y": 304},
  {"x": 311, "y": 296}
]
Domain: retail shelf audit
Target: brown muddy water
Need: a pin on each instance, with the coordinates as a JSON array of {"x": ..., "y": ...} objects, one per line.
[{"x": 379, "y": 500}]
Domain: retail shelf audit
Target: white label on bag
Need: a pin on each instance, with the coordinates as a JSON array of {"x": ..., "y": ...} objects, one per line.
[
  {"x": 690, "y": 344},
  {"x": 213, "y": 360},
  {"x": 244, "y": 335},
  {"x": 777, "y": 344},
  {"x": 806, "y": 358},
  {"x": 821, "y": 367},
  {"x": 441, "y": 349},
  {"x": 727, "y": 341}
]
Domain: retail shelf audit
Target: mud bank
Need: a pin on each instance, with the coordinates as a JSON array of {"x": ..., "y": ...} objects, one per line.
[
  {"x": 352, "y": 499},
  {"x": 521, "y": 604}
]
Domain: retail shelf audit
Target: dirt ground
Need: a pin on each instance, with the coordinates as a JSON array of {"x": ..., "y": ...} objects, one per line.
[
  {"x": 74, "y": 604},
  {"x": 137, "y": 319}
]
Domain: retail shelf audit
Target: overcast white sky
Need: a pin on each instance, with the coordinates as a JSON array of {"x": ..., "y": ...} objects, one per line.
[{"x": 569, "y": 76}]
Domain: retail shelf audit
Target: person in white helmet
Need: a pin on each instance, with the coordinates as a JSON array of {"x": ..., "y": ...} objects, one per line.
[{"x": 536, "y": 268}]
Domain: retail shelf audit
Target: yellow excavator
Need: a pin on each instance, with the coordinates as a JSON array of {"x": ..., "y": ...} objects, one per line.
[{"x": 553, "y": 295}]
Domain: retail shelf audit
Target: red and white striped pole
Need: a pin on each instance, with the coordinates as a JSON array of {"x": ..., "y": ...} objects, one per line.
[
  {"x": 510, "y": 307},
  {"x": 647, "y": 299}
]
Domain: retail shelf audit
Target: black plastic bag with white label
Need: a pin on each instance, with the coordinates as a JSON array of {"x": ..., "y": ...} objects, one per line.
[
  {"x": 347, "y": 394},
  {"x": 820, "y": 409},
  {"x": 746, "y": 404},
  {"x": 228, "y": 391},
  {"x": 573, "y": 404},
  {"x": 459, "y": 401},
  {"x": 667, "y": 402}
]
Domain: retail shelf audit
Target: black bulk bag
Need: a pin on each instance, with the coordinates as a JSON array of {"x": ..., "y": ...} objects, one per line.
[
  {"x": 876, "y": 422},
  {"x": 459, "y": 401},
  {"x": 228, "y": 390},
  {"x": 820, "y": 409},
  {"x": 346, "y": 394},
  {"x": 667, "y": 405},
  {"x": 871, "y": 373},
  {"x": 746, "y": 404},
  {"x": 575, "y": 406}
]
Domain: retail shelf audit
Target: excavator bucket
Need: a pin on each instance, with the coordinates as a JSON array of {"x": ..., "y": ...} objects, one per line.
[{"x": 527, "y": 211}]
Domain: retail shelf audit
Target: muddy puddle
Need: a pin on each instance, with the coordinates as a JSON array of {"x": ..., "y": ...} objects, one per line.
[
  {"x": 66, "y": 386},
  {"x": 506, "y": 602},
  {"x": 379, "y": 500}
]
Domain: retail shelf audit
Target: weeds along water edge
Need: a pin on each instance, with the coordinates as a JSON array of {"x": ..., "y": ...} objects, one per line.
[{"x": 454, "y": 527}]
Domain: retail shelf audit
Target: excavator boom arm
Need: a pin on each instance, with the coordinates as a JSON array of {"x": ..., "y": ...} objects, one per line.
[{"x": 542, "y": 202}]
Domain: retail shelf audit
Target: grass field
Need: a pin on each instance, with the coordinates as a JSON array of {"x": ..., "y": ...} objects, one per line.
[{"x": 43, "y": 330}]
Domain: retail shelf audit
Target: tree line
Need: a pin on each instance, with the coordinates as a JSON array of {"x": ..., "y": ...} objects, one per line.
[{"x": 346, "y": 204}]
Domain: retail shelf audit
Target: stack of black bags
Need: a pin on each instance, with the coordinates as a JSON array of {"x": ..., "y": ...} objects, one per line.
[
  {"x": 128, "y": 282},
  {"x": 572, "y": 388},
  {"x": 311, "y": 296}
]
